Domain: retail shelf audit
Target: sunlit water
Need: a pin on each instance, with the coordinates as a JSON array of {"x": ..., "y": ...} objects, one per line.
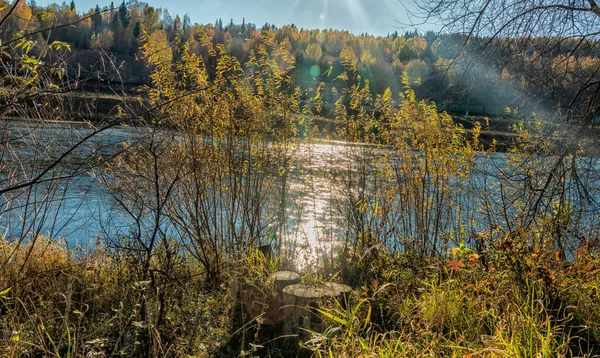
[{"x": 82, "y": 211}]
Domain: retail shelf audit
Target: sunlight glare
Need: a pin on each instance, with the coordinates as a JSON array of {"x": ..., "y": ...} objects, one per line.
[
  {"x": 323, "y": 15},
  {"x": 356, "y": 11},
  {"x": 292, "y": 9}
]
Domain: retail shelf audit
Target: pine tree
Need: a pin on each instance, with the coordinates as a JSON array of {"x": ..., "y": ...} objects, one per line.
[
  {"x": 96, "y": 20},
  {"x": 72, "y": 5},
  {"x": 177, "y": 24},
  {"x": 124, "y": 16},
  {"x": 137, "y": 30},
  {"x": 187, "y": 23},
  {"x": 115, "y": 24}
]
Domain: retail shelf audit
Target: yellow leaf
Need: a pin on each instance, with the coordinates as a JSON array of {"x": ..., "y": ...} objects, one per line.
[{"x": 5, "y": 292}]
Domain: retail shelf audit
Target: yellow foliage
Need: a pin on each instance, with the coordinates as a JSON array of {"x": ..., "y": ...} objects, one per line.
[{"x": 40, "y": 256}]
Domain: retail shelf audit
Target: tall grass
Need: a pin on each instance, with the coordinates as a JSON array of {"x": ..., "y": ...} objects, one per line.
[{"x": 473, "y": 311}]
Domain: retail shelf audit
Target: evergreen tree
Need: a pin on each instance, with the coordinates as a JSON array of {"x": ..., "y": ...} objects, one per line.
[
  {"x": 137, "y": 30},
  {"x": 72, "y": 5},
  {"x": 177, "y": 24},
  {"x": 96, "y": 20},
  {"x": 124, "y": 16},
  {"x": 115, "y": 24},
  {"x": 187, "y": 23},
  {"x": 405, "y": 54},
  {"x": 243, "y": 25}
]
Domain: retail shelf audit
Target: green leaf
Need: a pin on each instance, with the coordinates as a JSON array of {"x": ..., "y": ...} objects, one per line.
[{"x": 4, "y": 293}]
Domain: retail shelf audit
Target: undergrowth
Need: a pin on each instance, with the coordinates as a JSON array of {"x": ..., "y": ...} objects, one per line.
[{"x": 56, "y": 303}]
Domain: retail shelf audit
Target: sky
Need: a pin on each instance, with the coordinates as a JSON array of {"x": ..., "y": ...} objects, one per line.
[{"x": 377, "y": 17}]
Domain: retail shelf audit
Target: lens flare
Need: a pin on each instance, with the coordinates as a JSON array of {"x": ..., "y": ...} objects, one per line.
[{"x": 315, "y": 71}]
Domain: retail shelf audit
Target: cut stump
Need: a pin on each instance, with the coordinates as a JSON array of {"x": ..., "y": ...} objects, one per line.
[
  {"x": 269, "y": 305},
  {"x": 282, "y": 279},
  {"x": 300, "y": 298},
  {"x": 344, "y": 291},
  {"x": 341, "y": 288}
]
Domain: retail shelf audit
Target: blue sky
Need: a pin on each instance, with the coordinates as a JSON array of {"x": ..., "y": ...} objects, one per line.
[{"x": 373, "y": 16}]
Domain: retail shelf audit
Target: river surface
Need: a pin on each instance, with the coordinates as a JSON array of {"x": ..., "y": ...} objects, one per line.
[{"x": 80, "y": 210}]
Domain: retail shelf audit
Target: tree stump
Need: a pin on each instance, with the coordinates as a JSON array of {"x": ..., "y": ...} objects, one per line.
[
  {"x": 341, "y": 288},
  {"x": 266, "y": 302},
  {"x": 299, "y": 299},
  {"x": 286, "y": 301},
  {"x": 283, "y": 279},
  {"x": 344, "y": 291}
]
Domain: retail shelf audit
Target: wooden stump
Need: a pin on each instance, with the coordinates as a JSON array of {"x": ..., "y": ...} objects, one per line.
[
  {"x": 282, "y": 279},
  {"x": 344, "y": 291},
  {"x": 287, "y": 301},
  {"x": 299, "y": 299},
  {"x": 267, "y": 303},
  {"x": 339, "y": 287}
]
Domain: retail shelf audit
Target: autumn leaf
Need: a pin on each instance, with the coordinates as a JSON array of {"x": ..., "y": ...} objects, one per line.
[
  {"x": 455, "y": 265},
  {"x": 375, "y": 284},
  {"x": 473, "y": 260}
]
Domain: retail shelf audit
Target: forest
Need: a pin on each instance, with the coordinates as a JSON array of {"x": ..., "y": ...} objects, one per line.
[
  {"x": 505, "y": 70},
  {"x": 170, "y": 189}
]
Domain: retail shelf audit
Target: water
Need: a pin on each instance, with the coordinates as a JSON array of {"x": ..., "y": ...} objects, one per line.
[{"x": 80, "y": 209}]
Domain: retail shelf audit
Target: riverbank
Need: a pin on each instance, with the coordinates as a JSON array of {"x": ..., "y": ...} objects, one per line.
[
  {"x": 97, "y": 107},
  {"x": 503, "y": 302}
]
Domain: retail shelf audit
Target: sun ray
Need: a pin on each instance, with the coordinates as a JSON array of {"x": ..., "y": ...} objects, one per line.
[
  {"x": 324, "y": 12},
  {"x": 357, "y": 12},
  {"x": 292, "y": 8}
]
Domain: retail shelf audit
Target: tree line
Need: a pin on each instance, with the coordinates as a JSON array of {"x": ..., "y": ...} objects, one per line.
[{"x": 435, "y": 63}]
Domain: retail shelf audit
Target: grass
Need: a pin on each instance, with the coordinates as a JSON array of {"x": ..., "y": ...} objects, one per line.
[
  {"x": 55, "y": 303},
  {"x": 65, "y": 305},
  {"x": 479, "y": 311}
]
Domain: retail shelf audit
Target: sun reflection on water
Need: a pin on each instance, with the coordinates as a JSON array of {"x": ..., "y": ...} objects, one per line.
[{"x": 314, "y": 188}]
